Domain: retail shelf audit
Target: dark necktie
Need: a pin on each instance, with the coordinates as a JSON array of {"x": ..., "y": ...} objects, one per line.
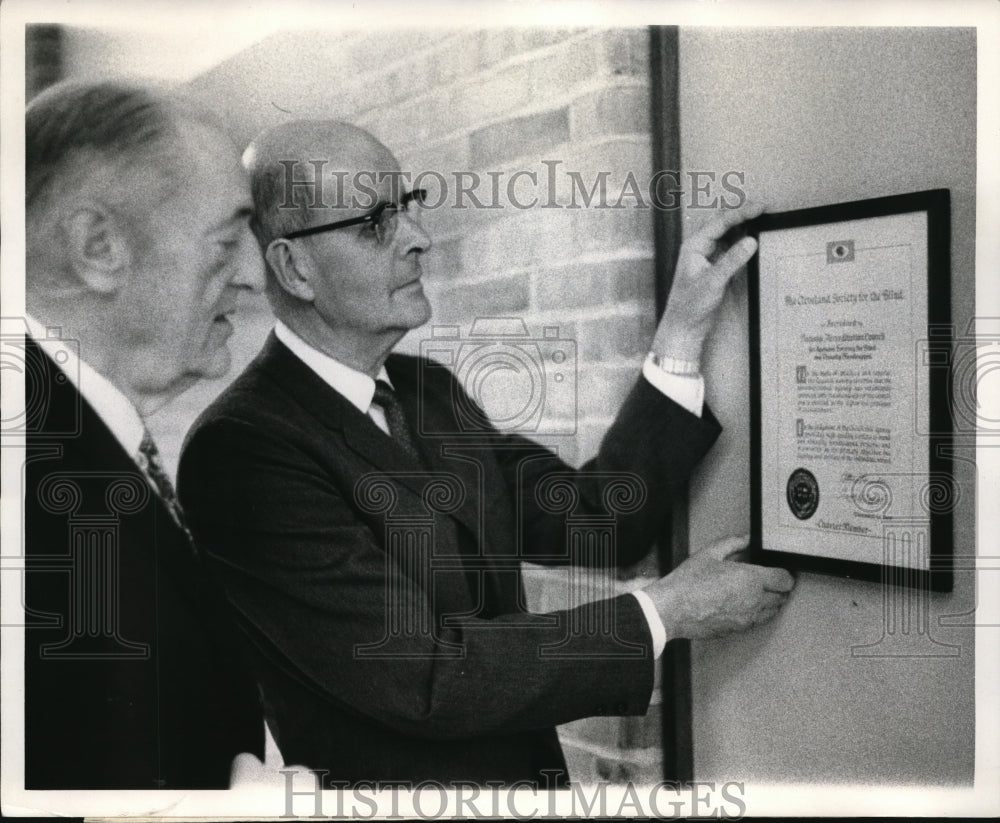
[
  {"x": 149, "y": 462},
  {"x": 396, "y": 418}
]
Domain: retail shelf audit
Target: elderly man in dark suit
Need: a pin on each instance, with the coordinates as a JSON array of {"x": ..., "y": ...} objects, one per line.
[
  {"x": 366, "y": 520},
  {"x": 138, "y": 244}
]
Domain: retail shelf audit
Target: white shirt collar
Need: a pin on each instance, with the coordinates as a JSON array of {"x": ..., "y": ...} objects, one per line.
[
  {"x": 357, "y": 387},
  {"x": 110, "y": 403}
]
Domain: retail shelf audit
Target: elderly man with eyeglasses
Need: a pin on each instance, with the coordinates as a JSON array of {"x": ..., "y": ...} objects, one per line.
[{"x": 369, "y": 542}]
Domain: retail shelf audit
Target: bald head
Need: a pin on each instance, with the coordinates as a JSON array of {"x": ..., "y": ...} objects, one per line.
[{"x": 308, "y": 172}]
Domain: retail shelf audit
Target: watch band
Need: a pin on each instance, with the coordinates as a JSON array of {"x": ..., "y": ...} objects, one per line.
[{"x": 673, "y": 365}]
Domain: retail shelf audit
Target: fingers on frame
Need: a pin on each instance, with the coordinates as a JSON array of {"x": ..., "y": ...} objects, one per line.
[
  {"x": 727, "y": 547},
  {"x": 703, "y": 241},
  {"x": 777, "y": 580},
  {"x": 735, "y": 258}
]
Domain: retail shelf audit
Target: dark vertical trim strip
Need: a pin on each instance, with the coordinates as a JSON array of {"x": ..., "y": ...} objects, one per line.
[
  {"x": 678, "y": 750},
  {"x": 666, "y": 144},
  {"x": 43, "y": 57}
]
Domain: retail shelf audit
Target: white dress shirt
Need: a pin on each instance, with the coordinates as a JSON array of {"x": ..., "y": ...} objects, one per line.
[
  {"x": 359, "y": 389},
  {"x": 356, "y": 387},
  {"x": 686, "y": 390}
]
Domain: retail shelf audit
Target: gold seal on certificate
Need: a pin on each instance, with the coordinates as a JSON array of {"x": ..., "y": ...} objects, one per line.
[{"x": 846, "y": 303}]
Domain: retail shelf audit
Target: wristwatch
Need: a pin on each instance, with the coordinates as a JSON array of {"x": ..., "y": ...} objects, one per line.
[{"x": 673, "y": 365}]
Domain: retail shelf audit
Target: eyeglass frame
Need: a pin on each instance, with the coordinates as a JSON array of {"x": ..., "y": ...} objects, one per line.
[{"x": 370, "y": 216}]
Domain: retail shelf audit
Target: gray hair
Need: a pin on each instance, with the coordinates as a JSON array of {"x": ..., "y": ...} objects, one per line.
[{"x": 110, "y": 136}]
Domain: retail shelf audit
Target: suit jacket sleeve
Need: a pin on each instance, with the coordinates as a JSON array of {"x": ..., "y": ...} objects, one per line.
[
  {"x": 309, "y": 584},
  {"x": 645, "y": 457}
]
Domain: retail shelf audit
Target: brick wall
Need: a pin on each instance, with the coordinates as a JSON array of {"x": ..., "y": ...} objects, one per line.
[{"x": 494, "y": 101}]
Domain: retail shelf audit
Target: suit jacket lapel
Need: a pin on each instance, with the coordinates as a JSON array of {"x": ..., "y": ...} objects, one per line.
[
  {"x": 70, "y": 413},
  {"x": 360, "y": 434},
  {"x": 336, "y": 413},
  {"x": 435, "y": 417},
  {"x": 74, "y": 440}
]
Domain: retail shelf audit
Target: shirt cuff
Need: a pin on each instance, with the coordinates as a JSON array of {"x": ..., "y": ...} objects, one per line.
[
  {"x": 656, "y": 627},
  {"x": 687, "y": 391}
]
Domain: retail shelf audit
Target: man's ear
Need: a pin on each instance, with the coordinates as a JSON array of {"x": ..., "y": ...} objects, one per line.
[
  {"x": 97, "y": 248},
  {"x": 292, "y": 268}
]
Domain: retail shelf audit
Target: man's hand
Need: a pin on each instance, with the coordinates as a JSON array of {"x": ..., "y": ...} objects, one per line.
[
  {"x": 709, "y": 595},
  {"x": 706, "y": 263}
]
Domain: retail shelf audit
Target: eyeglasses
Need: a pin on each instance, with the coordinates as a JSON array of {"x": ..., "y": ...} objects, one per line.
[{"x": 383, "y": 218}]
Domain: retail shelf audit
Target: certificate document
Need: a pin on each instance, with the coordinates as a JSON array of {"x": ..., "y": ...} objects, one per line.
[{"x": 843, "y": 431}]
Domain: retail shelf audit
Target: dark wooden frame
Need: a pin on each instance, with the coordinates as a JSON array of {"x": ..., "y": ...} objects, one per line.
[{"x": 936, "y": 204}]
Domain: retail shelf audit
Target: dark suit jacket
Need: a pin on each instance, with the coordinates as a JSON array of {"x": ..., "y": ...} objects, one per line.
[
  {"x": 374, "y": 669},
  {"x": 131, "y": 680}
]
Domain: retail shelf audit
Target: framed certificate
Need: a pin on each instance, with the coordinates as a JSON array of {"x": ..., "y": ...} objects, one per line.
[{"x": 850, "y": 424}]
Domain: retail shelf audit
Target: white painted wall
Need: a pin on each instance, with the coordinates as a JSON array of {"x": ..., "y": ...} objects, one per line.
[{"x": 813, "y": 117}]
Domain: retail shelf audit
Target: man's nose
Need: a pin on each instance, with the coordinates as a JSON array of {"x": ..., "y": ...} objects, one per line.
[
  {"x": 411, "y": 235},
  {"x": 250, "y": 265}
]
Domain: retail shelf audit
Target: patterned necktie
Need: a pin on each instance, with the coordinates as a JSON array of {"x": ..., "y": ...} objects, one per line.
[
  {"x": 149, "y": 462},
  {"x": 396, "y": 418}
]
